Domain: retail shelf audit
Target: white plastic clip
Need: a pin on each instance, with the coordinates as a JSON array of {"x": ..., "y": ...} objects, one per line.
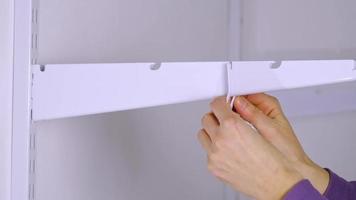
[{"x": 229, "y": 98}]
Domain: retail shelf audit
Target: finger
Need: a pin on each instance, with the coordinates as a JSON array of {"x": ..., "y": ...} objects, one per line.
[
  {"x": 269, "y": 105},
  {"x": 210, "y": 124},
  {"x": 205, "y": 141},
  {"x": 252, "y": 114},
  {"x": 221, "y": 109}
]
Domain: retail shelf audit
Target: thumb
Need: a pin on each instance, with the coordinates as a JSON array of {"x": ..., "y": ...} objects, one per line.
[{"x": 254, "y": 116}]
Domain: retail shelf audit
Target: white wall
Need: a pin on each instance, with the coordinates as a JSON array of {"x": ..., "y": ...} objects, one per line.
[
  {"x": 302, "y": 29},
  {"x": 6, "y": 39},
  {"x": 148, "y": 154},
  {"x": 86, "y": 31},
  {"x": 330, "y": 141},
  {"x": 194, "y": 30}
]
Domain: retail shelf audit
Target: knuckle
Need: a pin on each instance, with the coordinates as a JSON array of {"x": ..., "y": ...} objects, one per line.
[
  {"x": 205, "y": 119},
  {"x": 275, "y": 100},
  {"x": 220, "y": 143},
  {"x": 213, "y": 102},
  {"x": 200, "y": 134},
  {"x": 216, "y": 173},
  {"x": 253, "y": 110},
  {"x": 228, "y": 122},
  {"x": 211, "y": 167},
  {"x": 214, "y": 158},
  {"x": 217, "y": 101},
  {"x": 275, "y": 129},
  {"x": 254, "y": 114}
]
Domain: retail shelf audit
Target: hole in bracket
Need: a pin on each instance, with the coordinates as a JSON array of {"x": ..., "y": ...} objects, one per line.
[
  {"x": 42, "y": 68},
  {"x": 155, "y": 66},
  {"x": 276, "y": 65}
]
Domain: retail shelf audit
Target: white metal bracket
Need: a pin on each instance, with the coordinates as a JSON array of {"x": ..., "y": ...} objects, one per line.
[
  {"x": 82, "y": 89},
  {"x": 263, "y": 76}
]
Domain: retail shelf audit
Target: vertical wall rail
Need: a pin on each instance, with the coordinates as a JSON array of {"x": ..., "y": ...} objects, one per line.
[
  {"x": 34, "y": 60},
  {"x": 21, "y": 121},
  {"x": 32, "y": 163},
  {"x": 34, "y": 31}
]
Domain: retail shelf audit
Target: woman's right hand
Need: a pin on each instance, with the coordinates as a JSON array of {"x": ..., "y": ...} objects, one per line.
[{"x": 264, "y": 112}]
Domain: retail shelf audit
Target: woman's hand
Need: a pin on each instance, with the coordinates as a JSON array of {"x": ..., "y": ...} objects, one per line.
[
  {"x": 265, "y": 114},
  {"x": 242, "y": 158}
]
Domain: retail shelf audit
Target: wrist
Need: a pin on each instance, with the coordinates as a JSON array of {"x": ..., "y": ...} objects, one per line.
[
  {"x": 318, "y": 176},
  {"x": 283, "y": 182},
  {"x": 293, "y": 177}
]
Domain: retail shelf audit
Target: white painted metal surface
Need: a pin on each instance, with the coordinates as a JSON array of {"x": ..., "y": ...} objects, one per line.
[
  {"x": 254, "y": 77},
  {"x": 21, "y": 101},
  {"x": 72, "y": 90}
]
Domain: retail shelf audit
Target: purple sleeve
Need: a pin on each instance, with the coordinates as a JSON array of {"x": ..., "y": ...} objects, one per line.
[
  {"x": 339, "y": 188},
  {"x": 304, "y": 191}
]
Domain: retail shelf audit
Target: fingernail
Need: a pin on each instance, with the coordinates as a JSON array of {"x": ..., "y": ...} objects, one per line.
[{"x": 242, "y": 102}]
